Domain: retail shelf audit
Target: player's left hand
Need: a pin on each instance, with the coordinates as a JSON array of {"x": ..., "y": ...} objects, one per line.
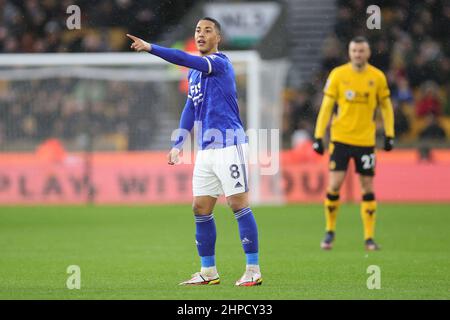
[
  {"x": 318, "y": 146},
  {"x": 139, "y": 44},
  {"x": 388, "y": 143},
  {"x": 173, "y": 156}
]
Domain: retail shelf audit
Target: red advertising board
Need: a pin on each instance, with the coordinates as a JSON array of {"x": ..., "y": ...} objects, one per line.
[{"x": 134, "y": 178}]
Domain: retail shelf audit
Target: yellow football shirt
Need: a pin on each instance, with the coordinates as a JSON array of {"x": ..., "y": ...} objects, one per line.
[{"x": 357, "y": 95}]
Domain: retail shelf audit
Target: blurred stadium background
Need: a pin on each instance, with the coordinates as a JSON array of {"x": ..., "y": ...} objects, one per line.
[
  {"x": 99, "y": 120},
  {"x": 83, "y": 120}
]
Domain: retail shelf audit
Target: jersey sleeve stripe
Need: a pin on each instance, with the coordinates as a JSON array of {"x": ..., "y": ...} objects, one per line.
[{"x": 209, "y": 65}]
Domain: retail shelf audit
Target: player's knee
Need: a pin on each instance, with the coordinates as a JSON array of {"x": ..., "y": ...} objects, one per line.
[
  {"x": 200, "y": 208},
  {"x": 237, "y": 204},
  {"x": 366, "y": 185},
  {"x": 334, "y": 186},
  {"x": 333, "y": 189},
  {"x": 367, "y": 190},
  {"x": 236, "y": 207}
]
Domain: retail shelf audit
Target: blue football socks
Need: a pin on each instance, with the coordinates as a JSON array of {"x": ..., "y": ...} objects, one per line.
[
  {"x": 205, "y": 237},
  {"x": 248, "y": 232}
]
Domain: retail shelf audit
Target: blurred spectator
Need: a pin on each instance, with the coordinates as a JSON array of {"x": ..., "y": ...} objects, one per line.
[
  {"x": 380, "y": 55},
  {"x": 332, "y": 55},
  {"x": 40, "y": 26},
  {"x": 36, "y": 111},
  {"x": 302, "y": 133},
  {"x": 402, "y": 92},
  {"x": 447, "y": 104},
  {"x": 430, "y": 102},
  {"x": 301, "y": 108},
  {"x": 417, "y": 71},
  {"x": 433, "y": 131},
  {"x": 344, "y": 23},
  {"x": 401, "y": 124},
  {"x": 51, "y": 150}
]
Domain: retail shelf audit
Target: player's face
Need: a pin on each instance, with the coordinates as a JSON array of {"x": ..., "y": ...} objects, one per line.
[
  {"x": 206, "y": 37},
  {"x": 359, "y": 53}
]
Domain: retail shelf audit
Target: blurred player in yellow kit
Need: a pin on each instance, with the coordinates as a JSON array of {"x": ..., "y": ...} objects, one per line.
[{"x": 357, "y": 88}]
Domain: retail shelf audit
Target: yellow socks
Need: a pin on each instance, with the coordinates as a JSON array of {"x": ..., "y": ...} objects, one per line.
[
  {"x": 331, "y": 210},
  {"x": 368, "y": 215}
]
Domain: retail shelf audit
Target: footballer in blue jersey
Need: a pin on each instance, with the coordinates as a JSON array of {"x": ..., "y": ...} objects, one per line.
[
  {"x": 221, "y": 163},
  {"x": 215, "y": 104}
]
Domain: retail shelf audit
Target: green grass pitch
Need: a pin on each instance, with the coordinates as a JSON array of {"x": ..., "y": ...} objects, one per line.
[{"x": 144, "y": 252}]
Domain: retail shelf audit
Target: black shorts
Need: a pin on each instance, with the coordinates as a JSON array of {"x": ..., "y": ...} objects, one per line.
[{"x": 364, "y": 157}]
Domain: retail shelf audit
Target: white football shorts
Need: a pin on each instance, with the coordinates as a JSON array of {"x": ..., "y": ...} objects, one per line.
[{"x": 221, "y": 171}]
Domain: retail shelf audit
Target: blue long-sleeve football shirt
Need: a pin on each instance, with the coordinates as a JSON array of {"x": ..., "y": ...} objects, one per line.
[{"x": 212, "y": 98}]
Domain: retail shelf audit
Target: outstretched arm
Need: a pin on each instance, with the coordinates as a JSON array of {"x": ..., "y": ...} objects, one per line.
[{"x": 174, "y": 56}]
